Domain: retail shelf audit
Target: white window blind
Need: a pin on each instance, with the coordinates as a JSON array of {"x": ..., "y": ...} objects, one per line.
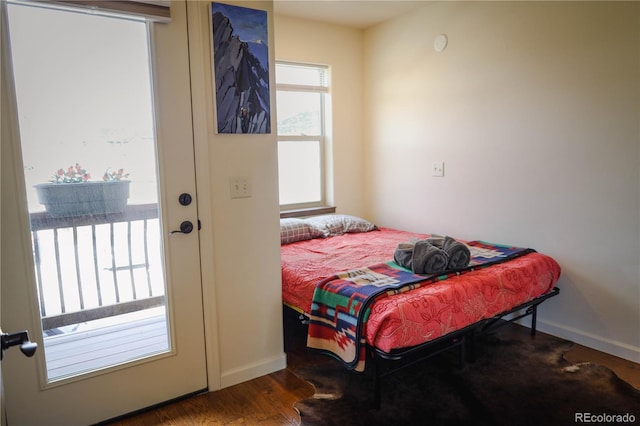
[
  {"x": 300, "y": 76},
  {"x": 150, "y": 10}
]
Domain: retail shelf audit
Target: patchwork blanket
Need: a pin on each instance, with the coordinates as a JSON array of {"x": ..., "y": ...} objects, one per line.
[{"x": 340, "y": 305}]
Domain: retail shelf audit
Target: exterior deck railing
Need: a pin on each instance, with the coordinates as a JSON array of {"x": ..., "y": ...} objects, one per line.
[{"x": 96, "y": 266}]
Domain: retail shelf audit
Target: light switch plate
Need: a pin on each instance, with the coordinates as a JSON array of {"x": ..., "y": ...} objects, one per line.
[
  {"x": 240, "y": 186},
  {"x": 437, "y": 169}
]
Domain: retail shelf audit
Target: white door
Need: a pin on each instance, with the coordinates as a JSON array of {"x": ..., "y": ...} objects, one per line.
[{"x": 113, "y": 297}]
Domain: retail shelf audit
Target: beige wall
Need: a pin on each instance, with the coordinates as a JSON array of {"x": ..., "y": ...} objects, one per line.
[
  {"x": 341, "y": 49},
  {"x": 534, "y": 109},
  {"x": 506, "y": 104},
  {"x": 240, "y": 239}
]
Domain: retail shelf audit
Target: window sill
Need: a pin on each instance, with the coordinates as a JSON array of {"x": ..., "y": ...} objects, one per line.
[{"x": 310, "y": 211}]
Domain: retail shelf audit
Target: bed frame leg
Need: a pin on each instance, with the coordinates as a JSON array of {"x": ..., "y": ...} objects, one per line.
[
  {"x": 377, "y": 386},
  {"x": 471, "y": 346},
  {"x": 463, "y": 352},
  {"x": 376, "y": 383},
  {"x": 534, "y": 317}
]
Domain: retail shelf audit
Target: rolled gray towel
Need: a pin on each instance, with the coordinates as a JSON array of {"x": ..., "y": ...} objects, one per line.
[
  {"x": 403, "y": 255},
  {"x": 459, "y": 254},
  {"x": 436, "y": 240},
  {"x": 428, "y": 259}
]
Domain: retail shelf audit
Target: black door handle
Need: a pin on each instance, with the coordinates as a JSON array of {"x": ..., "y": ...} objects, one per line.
[
  {"x": 21, "y": 338},
  {"x": 185, "y": 228}
]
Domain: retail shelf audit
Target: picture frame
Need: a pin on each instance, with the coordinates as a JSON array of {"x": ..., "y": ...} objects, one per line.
[{"x": 241, "y": 69}]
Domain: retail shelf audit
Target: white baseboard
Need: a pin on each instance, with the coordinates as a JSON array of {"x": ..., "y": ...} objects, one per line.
[
  {"x": 612, "y": 347},
  {"x": 252, "y": 371}
]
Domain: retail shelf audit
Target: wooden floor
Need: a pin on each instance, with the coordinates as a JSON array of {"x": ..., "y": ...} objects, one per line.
[
  {"x": 269, "y": 400},
  {"x": 626, "y": 370}
]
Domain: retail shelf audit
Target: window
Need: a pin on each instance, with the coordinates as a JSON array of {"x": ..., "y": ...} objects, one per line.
[{"x": 301, "y": 97}]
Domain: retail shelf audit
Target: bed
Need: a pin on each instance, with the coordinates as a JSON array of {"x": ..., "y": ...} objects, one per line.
[{"x": 441, "y": 312}]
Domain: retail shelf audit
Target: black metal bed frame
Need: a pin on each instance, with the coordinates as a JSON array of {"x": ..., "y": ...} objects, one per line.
[{"x": 463, "y": 340}]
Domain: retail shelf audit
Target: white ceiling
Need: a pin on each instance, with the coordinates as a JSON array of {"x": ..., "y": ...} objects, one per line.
[{"x": 353, "y": 13}]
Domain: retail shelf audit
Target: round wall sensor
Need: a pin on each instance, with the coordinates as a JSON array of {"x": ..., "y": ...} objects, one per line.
[{"x": 440, "y": 43}]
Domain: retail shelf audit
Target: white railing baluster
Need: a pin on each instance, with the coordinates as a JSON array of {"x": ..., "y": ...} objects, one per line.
[
  {"x": 37, "y": 260},
  {"x": 77, "y": 264},
  {"x": 133, "y": 281},
  {"x": 114, "y": 268},
  {"x": 96, "y": 270},
  {"x": 59, "y": 270},
  {"x": 146, "y": 256}
]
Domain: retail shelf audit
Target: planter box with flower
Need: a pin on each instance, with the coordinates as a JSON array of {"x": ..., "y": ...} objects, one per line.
[{"x": 71, "y": 193}]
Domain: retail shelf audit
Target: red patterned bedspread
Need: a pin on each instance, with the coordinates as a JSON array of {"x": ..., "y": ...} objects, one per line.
[{"x": 422, "y": 314}]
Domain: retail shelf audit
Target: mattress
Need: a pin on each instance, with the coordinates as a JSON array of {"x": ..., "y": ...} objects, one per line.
[{"x": 423, "y": 314}]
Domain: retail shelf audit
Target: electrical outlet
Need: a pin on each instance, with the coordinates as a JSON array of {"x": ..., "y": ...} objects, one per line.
[
  {"x": 437, "y": 169},
  {"x": 240, "y": 186}
]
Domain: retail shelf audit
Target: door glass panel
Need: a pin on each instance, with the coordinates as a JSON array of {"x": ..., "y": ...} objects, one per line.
[{"x": 85, "y": 111}]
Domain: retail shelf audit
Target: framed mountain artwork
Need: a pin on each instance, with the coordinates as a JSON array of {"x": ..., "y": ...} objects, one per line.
[{"x": 241, "y": 69}]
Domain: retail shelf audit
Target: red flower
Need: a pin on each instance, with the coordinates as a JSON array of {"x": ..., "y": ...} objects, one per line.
[{"x": 71, "y": 175}]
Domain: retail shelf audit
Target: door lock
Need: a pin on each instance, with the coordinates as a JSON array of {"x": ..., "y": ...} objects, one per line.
[
  {"x": 21, "y": 338},
  {"x": 185, "y": 199}
]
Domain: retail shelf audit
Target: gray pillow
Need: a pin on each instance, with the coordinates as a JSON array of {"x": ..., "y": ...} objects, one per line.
[
  {"x": 338, "y": 224},
  {"x": 292, "y": 230}
]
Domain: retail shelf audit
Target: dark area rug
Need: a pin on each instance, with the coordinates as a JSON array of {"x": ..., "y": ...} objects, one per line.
[{"x": 515, "y": 379}]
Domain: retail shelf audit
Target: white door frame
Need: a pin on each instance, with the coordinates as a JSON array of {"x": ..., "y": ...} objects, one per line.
[{"x": 203, "y": 126}]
